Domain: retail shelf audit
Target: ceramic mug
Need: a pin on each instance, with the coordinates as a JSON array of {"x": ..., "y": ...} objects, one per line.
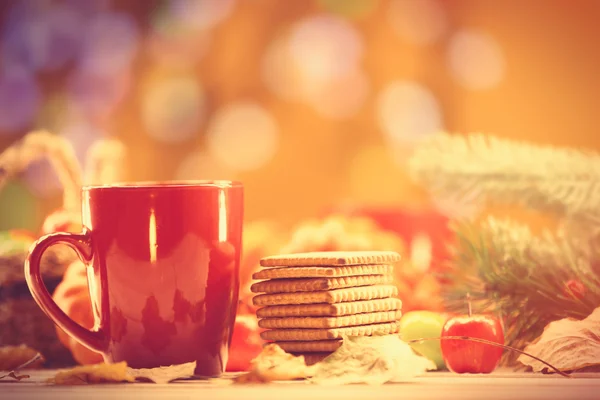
[{"x": 162, "y": 263}]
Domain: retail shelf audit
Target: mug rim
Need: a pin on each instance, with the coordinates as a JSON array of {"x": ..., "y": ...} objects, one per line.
[{"x": 168, "y": 184}]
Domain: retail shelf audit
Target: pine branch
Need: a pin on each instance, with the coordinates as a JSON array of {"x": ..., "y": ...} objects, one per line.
[
  {"x": 507, "y": 270},
  {"x": 486, "y": 169}
]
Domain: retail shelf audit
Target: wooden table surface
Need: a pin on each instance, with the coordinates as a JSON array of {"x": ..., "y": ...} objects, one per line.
[{"x": 436, "y": 385}]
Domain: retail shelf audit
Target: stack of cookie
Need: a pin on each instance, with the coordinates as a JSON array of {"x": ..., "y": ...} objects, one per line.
[{"x": 309, "y": 301}]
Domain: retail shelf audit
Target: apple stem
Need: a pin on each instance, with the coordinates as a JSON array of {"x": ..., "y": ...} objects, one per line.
[
  {"x": 469, "y": 307},
  {"x": 472, "y": 339}
]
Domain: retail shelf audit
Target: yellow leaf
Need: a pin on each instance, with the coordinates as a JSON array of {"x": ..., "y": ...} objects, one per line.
[
  {"x": 373, "y": 360},
  {"x": 567, "y": 344},
  {"x": 274, "y": 364},
  {"x": 97, "y": 373}
]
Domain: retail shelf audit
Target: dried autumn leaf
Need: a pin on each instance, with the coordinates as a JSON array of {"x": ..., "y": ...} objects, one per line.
[
  {"x": 165, "y": 374},
  {"x": 12, "y": 357},
  {"x": 97, "y": 373},
  {"x": 13, "y": 375},
  {"x": 373, "y": 360},
  {"x": 251, "y": 377},
  {"x": 568, "y": 344},
  {"x": 35, "y": 360},
  {"x": 274, "y": 364}
]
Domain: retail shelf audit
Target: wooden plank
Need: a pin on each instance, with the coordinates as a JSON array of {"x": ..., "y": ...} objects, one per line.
[{"x": 445, "y": 386}]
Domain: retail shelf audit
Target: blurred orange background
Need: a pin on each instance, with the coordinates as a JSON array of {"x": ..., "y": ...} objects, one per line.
[{"x": 310, "y": 103}]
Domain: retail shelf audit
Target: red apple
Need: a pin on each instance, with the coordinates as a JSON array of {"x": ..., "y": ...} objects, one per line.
[
  {"x": 246, "y": 343},
  {"x": 464, "y": 356}
]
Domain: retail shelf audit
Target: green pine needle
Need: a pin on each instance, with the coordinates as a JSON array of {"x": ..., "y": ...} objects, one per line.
[
  {"x": 484, "y": 169},
  {"x": 506, "y": 270}
]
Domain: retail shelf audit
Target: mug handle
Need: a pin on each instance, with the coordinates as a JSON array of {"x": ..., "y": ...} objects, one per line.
[{"x": 82, "y": 244}]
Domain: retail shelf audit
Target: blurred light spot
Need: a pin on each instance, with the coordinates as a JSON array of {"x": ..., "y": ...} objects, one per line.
[
  {"x": 400, "y": 153},
  {"x": 280, "y": 73},
  {"x": 317, "y": 63},
  {"x": 408, "y": 112},
  {"x": 172, "y": 44},
  {"x": 419, "y": 22},
  {"x": 204, "y": 14},
  {"x": 340, "y": 98},
  {"x": 41, "y": 39},
  {"x": 19, "y": 99},
  {"x": 325, "y": 47},
  {"x": 421, "y": 252},
  {"x": 243, "y": 136},
  {"x": 354, "y": 9},
  {"x": 110, "y": 43},
  {"x": 202, "y": 166},
  {"x": 173, "y": 109},
  {"x": 475, "y": 59},
  {"x": 64, "y": 36},
  {"x": 97, "y": 95}
]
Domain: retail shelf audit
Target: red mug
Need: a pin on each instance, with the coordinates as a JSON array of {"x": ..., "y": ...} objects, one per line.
[{"x": 162, "y": 263}]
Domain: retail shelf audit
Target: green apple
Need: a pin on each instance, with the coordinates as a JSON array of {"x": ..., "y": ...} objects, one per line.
[{"x": 424, "y": 324}]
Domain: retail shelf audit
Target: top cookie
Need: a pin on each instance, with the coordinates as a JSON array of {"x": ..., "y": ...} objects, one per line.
[{"x": 331, "y": 258}]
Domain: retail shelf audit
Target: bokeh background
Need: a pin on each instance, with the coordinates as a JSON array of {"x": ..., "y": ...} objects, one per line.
[{"x": 311, "y": 103}]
